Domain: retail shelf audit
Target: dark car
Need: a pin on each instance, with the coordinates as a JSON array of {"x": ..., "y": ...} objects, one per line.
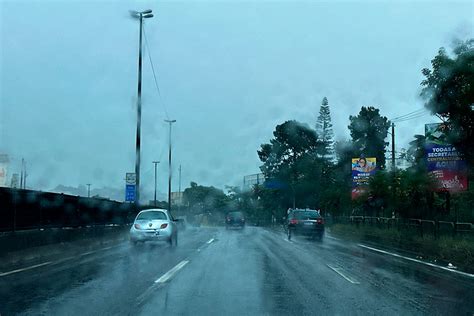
[
  {"x": 182, "y": 223},
  {"x": 305, "y": 223},
  {"x": 235, "y": 219}
]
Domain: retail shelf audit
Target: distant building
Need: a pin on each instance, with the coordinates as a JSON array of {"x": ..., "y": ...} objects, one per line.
[
  {"x": 253, "y": 179},
  {"x": 4, "y": 161},
  {"x": 177, "y": 198},
  {"x": 15, "y": 183}
]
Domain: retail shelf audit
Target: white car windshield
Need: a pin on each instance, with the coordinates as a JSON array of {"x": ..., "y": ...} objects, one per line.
[{"x": 152, "y": 215}]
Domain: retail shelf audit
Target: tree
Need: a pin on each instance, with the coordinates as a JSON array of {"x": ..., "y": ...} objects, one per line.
[
  {"x": 293, "y": 159},
  {"x": 416, "y": 154},
  {"x": 324, "y": 129},
  {"x": 202, "y": 198},
  {"x": 292, "y": 141},
  {"x": 368, "y": 131},
  {"x": 448, "y": 89}
]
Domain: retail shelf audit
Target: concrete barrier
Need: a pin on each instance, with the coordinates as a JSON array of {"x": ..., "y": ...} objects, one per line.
[{"x": 24, "y": 246}]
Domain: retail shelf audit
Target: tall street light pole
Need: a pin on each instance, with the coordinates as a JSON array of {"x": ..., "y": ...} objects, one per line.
[
  {"x": 154, "y": 199},
  {"x": 88, "y": 190},
  {"x": 170, "y": 122},
  {"x": 140, "y": 15},
  {"x": 179, "y": 190},
  {"x": 180, "y": 197}
]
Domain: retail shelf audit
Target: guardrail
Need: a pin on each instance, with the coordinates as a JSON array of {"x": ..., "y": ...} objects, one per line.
[{"x": 420, "y": 226}]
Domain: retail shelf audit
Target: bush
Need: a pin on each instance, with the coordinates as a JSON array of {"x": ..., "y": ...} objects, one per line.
[{"x": 456, "y": 250}]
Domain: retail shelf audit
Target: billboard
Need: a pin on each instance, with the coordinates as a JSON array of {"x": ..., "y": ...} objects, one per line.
[
  {"x": 444, "y": 162},
  {"x": 253, "y": 179},
  {"x": 362, "y": 170}
]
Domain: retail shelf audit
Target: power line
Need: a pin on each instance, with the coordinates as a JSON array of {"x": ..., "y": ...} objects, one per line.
[
  {"x": 409, "y": 115},
  {"x": 154, "y": 74}
]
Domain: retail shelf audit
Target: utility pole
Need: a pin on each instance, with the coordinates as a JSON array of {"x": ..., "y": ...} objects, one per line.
[
  {"x": 393, "y": 147},
  {"x": 170, "y": 122},
  {"x": 179, "y": 190},
  {"x": 21, "y": 174},
  {"x": 88, "y": 190},
  {"x": 25, "y": 174},
  {"x": 154, "y": 199},
  {"x": 179, "y": 179},
  {"x": 140, "y": 15}
]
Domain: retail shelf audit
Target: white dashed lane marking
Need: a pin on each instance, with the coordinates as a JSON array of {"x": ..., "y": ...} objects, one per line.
[
  {"x": 338, "y": 271},
  {"x": 168, "y": 275}
]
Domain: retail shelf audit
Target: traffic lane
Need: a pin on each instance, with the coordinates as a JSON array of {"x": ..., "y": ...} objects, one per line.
[
  {"x": 102, "y": 282},
  {"x": 225, "y": 278},
  {"x": 426, "y": 289},
  {"x": 301, "y": 280},
  {"x": 256, "y": 272}
]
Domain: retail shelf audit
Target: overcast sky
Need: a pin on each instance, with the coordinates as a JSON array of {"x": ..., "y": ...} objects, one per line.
[{"x": 228, "y": 71}]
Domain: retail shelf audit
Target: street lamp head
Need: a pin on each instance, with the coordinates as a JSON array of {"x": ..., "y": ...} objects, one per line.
[
  {"x": 143, "y": 14},
  {"x": 134, "y": 14},
  {"x": 170, "y": 121}
]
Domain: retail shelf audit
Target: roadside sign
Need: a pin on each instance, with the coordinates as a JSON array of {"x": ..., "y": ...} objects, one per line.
[
  {"x": 362, "y": 169},
  {"x": 130, "y": 178},
  {"x": 130, "y": 192},
  {"x": 444, "y": 161}
]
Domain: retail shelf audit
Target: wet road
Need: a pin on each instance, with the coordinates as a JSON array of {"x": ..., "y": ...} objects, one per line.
[{"x": 251, "y": 272}]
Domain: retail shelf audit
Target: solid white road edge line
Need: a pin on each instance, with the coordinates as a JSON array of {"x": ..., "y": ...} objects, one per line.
[
  {"x": 24, "y": 269},
  {"x": 54, "y": 262},
  {"x": 168, "y": 275},
  {"x": 341, "y": 274},
  {"x": 210, "y": 240},
  {"x": 417, "y": 261}
]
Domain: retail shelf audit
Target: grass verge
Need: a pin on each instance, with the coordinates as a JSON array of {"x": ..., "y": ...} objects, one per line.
[{"x": 446, "y": 249}]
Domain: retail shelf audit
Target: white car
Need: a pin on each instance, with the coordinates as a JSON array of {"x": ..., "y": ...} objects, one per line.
[{"x": 154, "y": 225}]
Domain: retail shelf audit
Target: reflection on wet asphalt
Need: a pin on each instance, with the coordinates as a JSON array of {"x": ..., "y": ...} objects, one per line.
[{"x": 255, "y": 271}]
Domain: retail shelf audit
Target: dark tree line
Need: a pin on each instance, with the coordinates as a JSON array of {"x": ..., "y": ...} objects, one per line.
[{"x": 305, "y": 167}]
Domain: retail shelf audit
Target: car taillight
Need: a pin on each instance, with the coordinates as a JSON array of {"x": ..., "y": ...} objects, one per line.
[
  {"x": 137, "y": 226},
  {"x": 293, "y": 221},
  {"x": 163, "y": 226},
  {"x": 320, "y": 221}
]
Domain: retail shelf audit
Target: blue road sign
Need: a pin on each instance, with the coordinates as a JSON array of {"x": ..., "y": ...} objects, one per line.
[
  {"x": 274, "y": 184},
  {"x": 130, "y": 192}
]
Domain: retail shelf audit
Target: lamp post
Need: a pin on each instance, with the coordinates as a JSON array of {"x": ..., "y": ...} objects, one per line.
[
  {"x": 170, "y": 122},
  {"x": 154, "y": 199},
  {"x": 140, "y": 15}
]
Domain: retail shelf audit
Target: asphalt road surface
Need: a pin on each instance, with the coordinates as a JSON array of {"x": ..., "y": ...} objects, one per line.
[{"x": 251, "y": 272}]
